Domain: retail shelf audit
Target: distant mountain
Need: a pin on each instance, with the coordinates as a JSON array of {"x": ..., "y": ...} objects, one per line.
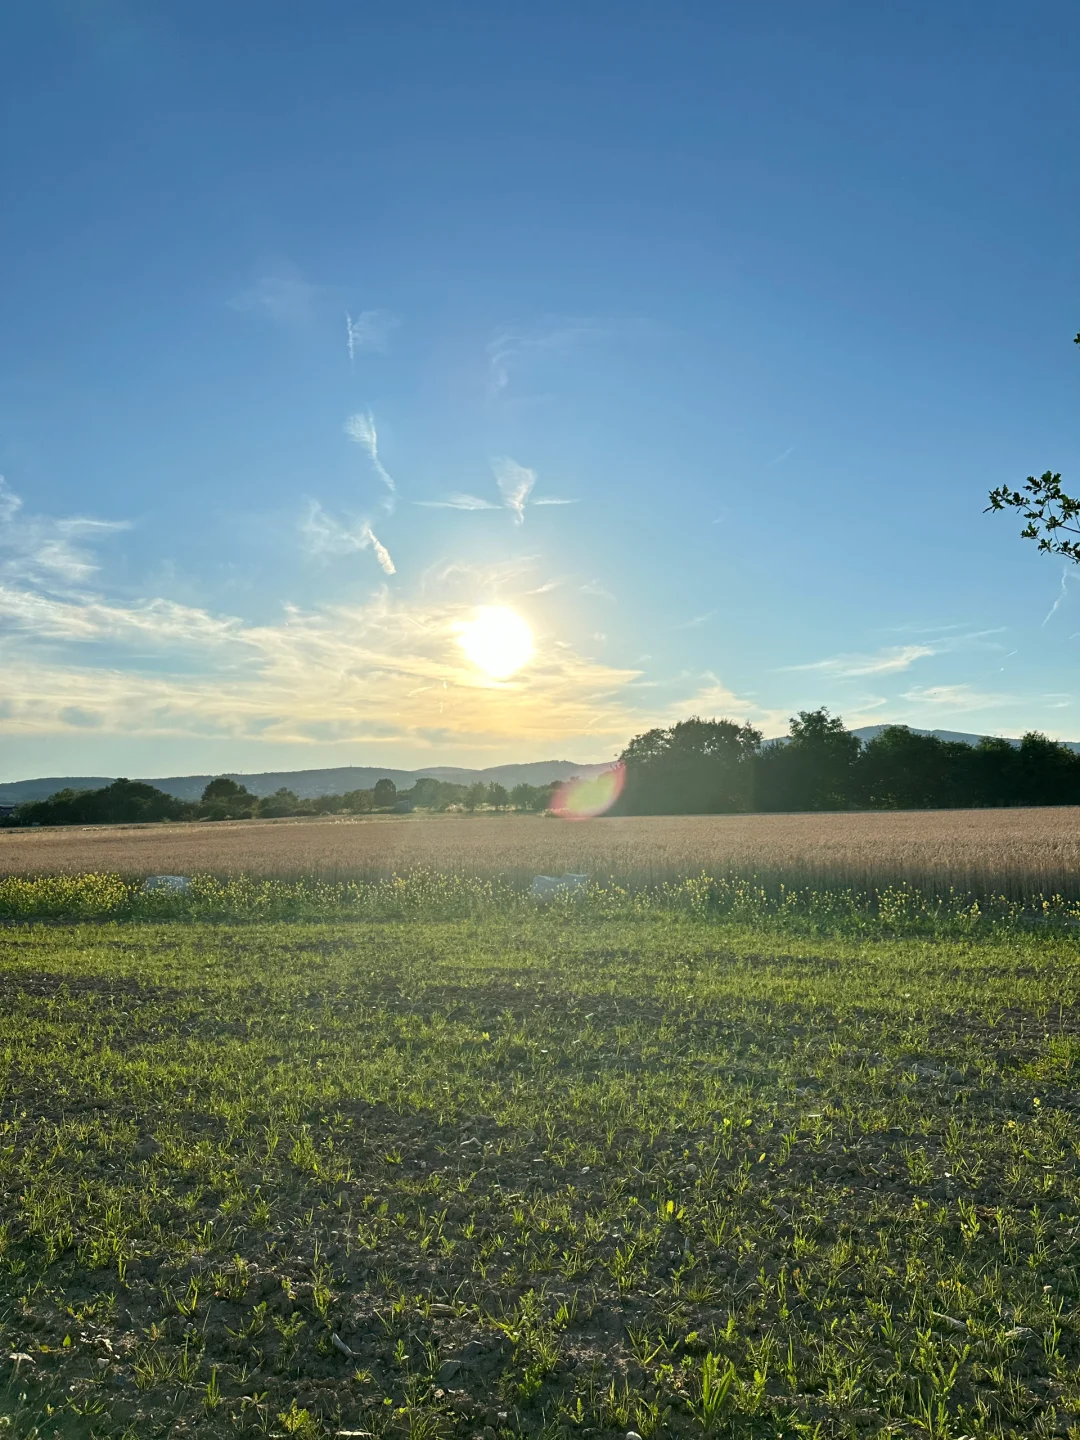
[
  {"x": 308, "y": 784},
  {"x": 868, "y": 732},
  {"x": 17, "y": 792},
  {"x": 962, "y": 737}
]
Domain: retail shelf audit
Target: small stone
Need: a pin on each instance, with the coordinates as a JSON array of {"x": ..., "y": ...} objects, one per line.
[
  {"x": 1020, "y": 1332},
  {"x": 146, "y": 1147},
  {"x": 632, "y": 1435}
]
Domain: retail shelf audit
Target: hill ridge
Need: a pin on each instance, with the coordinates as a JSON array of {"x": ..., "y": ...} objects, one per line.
[{"x": 309, "y": 784}]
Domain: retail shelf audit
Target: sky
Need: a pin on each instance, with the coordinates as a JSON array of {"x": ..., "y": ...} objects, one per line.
[{"x": 687, "y": 338}]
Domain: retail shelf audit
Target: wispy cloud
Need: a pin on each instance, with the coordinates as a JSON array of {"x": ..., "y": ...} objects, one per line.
[
  {"x": 885, "y": 662},
  {"x": 370, "y": 330},
  {"x": 361, "y": 428},
  {"x": 286, "y": 298},
  {"x": 47, "y": 548},
  {"x": 779, "y": 459},
  {"x": 1062, "y": 596},
  {"x": 945, "y": 628},
  {"x": 696, "y": 621},
  {"x": 10, "y": 503},
  {"x": 457, "y": 501},
  {"x": 593, "y": 587},
  {"x": 324, "y": 535},
  {"x": 93, "y": 619},
  {"x": 962, "y": 697},
  {"x": 515, "y": 483},
  {"x": 381, "y": 552},
  {"x": 388, "y": 671},
  {"x": 711, "y": 698},
  {"x": 511, "y": 349}
]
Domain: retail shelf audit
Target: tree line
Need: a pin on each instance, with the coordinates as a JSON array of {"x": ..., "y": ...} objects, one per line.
[
  {"x": 697, "y": 767},
  {"x": 704, "y": 767},
  {"x": 133, "y": 801}
]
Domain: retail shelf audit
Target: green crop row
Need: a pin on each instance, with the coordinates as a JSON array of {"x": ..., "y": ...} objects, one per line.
[{"x": 889, "y": 910}]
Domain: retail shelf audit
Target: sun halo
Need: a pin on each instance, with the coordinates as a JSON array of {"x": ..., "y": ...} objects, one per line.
[{"x": 497, "y": 640}]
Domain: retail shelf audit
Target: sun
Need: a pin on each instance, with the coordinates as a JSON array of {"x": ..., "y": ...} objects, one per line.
[{"x": 497, "y": 641}]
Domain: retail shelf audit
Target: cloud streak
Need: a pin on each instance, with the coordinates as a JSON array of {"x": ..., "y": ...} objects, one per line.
[
  {"x": 287, "y": 299},
  {"x": 381, "y": 552},
  {"x": 961, "y": 697},
  {"x": 361, "y": 429},
  {"x": 515, "y": 484},
  {"x": 457, "y": 501},
  {"x": 370, "y": 330},
  {"x": 779, "y": 459},
  {"x": 1062, "y": 596},
  {"x": 325, "y": 536},
  {"x": 40, "y": 547},
  {"x": 697, "y": 621},
  {"x": 886, "y": 662},
  {"x": 389, "y": 670},
  {"x": 510, "y": 350}
]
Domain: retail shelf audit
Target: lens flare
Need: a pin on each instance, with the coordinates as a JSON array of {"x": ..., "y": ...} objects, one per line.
[
  {"x": 585, "y": 799},
  {"x": 498, "y": 641}
]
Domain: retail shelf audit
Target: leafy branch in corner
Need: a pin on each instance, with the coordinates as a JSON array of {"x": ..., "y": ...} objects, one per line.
[{"x": 1047, "y": 510}]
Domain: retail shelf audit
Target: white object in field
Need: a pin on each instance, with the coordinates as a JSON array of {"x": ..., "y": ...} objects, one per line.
[
  {"x": 544, "y": 887},
  {"x": 167, "y": 882}
]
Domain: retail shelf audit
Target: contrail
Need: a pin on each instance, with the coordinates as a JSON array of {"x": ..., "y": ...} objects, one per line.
[{"x": 361, "y": 428}]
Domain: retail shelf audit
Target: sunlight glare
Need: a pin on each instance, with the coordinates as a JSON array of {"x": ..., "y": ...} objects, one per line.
[{"x": 497, "y": 641}]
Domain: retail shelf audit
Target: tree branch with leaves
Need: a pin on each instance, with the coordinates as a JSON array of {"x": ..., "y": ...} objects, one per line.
[{"x": 1050, "y": 514}]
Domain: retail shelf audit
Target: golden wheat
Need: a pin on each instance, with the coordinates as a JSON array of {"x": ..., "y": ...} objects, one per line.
[{"x": 1029, "y": 850}]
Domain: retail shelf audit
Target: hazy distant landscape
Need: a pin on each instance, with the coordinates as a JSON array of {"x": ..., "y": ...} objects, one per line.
[{"x": 308, "y": 784}]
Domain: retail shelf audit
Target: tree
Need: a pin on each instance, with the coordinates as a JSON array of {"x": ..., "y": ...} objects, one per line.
[
  {"x": 1051, "y": 515},
  {"x": 359, "y": 802},
  {"x": 899, "y": 770},
  {"x": 475, "y": 795},
  {"x": 385, "y": 794},
  {"x": 698, "y": 767},
  {"x": 122, "y": 802},
  {"x": 430, "y": 794},
  {"x": 282, "y": 802},
  {"x": 497, "y": 795},
  {"x": 225, "y": 799},
  {"x": 1049, "y": 772},
  {"x": 222, "y": 788},
  {"x": 813, "y": 769}
]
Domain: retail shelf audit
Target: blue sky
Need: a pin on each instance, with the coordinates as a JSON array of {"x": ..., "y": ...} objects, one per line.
[{"x": 306, "y": 309}]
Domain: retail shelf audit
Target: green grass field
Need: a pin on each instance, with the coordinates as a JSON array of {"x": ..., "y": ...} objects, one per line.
[{"x": 579, "y": 1172}]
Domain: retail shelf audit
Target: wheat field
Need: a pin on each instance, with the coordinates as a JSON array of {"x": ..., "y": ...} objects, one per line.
[{"x": 1016, "y": 852}]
